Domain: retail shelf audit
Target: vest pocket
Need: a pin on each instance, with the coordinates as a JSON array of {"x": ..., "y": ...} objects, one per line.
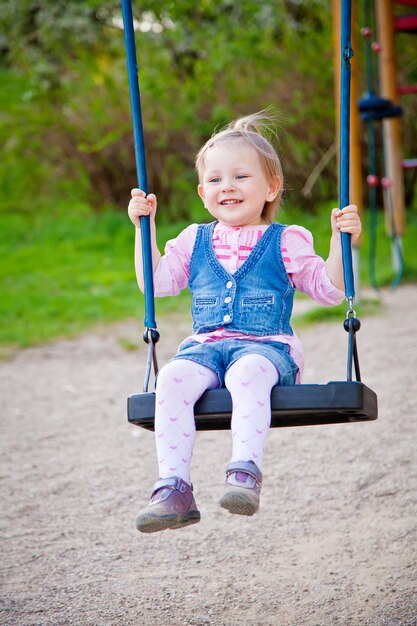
[
  {"x": 204, "y": 309},
  {"x": 203, "y": 301},
  {"x": 258, "y": 313},
  {"x": 258, "y": 301}
]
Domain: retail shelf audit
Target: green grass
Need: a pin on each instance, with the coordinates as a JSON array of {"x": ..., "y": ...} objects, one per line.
[{"x": 64, "y": 273}]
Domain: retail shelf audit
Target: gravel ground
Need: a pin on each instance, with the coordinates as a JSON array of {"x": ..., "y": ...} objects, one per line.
[{"x": 333, "y": 544}]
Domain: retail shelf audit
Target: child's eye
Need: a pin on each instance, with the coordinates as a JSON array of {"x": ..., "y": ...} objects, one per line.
[
  {"x": 241, "y": 176},
  {"x": 215, "y": 179}
]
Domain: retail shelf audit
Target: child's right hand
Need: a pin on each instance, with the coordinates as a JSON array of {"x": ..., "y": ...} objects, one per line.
[{"x": 140, "y": 205}]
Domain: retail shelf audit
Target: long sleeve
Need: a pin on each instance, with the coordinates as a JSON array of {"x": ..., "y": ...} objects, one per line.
[
  {"x": 306, "y": 269},
  {"x": 173, "y": 271}
]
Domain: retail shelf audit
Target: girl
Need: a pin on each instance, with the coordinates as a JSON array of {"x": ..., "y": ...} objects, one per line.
[{"x": 242, "y": 270}]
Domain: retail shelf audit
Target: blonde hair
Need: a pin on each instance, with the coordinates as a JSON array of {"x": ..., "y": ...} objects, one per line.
[{"x": 256, "y": 130}]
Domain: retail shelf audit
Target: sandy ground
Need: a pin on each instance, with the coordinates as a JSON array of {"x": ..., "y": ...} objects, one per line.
[{"x": 334, "y": 542}]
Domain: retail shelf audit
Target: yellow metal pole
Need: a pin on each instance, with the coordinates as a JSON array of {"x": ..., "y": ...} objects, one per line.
[{"x": 395, "y": 214}]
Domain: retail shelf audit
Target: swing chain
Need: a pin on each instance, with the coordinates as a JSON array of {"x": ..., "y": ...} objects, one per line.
[
  {"x": 352, "y": 325},
  {"x": 151, "y": 337},
  {"x": 351, "y": 311}
]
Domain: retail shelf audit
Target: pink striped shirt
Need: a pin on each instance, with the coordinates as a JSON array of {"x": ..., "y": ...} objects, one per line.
[{"x": 232, "y": 245}]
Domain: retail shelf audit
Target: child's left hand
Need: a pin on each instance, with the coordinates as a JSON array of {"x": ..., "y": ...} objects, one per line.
[{"x": 347, "y": 220}]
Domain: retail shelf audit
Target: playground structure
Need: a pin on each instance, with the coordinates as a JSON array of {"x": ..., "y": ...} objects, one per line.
[{"x": 380, "y": 103}]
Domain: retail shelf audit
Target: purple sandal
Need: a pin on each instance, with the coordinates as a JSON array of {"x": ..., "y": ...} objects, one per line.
[
  {"x": 243, "y": 488},
  {"x": 172, "y": 505}
]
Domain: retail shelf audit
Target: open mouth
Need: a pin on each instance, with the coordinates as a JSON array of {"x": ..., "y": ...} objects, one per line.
[{"x": 229, "y": 202}]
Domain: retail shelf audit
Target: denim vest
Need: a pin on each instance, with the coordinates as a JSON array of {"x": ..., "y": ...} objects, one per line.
[{"x": 256, "y": 300}]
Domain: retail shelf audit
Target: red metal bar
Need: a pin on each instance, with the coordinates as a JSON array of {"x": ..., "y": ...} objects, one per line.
[
  {"x": 403, "y": 90},
  {"x": 406, "y": 23},
  {"x": 408, "y": 3}
]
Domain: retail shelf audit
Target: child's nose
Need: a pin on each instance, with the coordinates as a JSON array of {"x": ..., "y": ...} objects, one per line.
[{"x": 228, "y": 185}]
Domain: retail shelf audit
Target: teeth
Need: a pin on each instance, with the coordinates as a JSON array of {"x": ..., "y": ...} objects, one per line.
[{"x": 231, "y": 202}]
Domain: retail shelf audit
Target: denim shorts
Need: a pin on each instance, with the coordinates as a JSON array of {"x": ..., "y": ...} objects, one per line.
[{"x": 220, "y": 355}]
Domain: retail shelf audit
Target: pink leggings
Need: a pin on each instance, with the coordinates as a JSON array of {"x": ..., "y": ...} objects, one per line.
[{"x": 180, "y": 384}]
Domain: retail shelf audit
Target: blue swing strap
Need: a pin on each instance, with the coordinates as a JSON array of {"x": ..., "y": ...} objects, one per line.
[
  {"x": 351, "y": 323},
  {"x": 151, "y": 334}
]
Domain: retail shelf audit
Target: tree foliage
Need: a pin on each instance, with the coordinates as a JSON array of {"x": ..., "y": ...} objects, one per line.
[{"x": 66, "y": 119}]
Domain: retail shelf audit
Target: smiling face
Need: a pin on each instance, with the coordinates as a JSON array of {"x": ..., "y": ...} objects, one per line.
[{"x": 234, "y": 187}]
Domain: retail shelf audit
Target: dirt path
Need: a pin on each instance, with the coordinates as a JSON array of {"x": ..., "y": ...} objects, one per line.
[{"x": 334, "y": 542}]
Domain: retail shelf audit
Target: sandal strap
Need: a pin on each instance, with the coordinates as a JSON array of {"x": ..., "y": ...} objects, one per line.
[
  {"x": 172, "y": 482},
  {"x": 245, "y": 466}
]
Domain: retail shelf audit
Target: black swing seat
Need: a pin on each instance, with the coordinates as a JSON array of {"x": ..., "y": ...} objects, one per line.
[{"x": 294, "y": 405}]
